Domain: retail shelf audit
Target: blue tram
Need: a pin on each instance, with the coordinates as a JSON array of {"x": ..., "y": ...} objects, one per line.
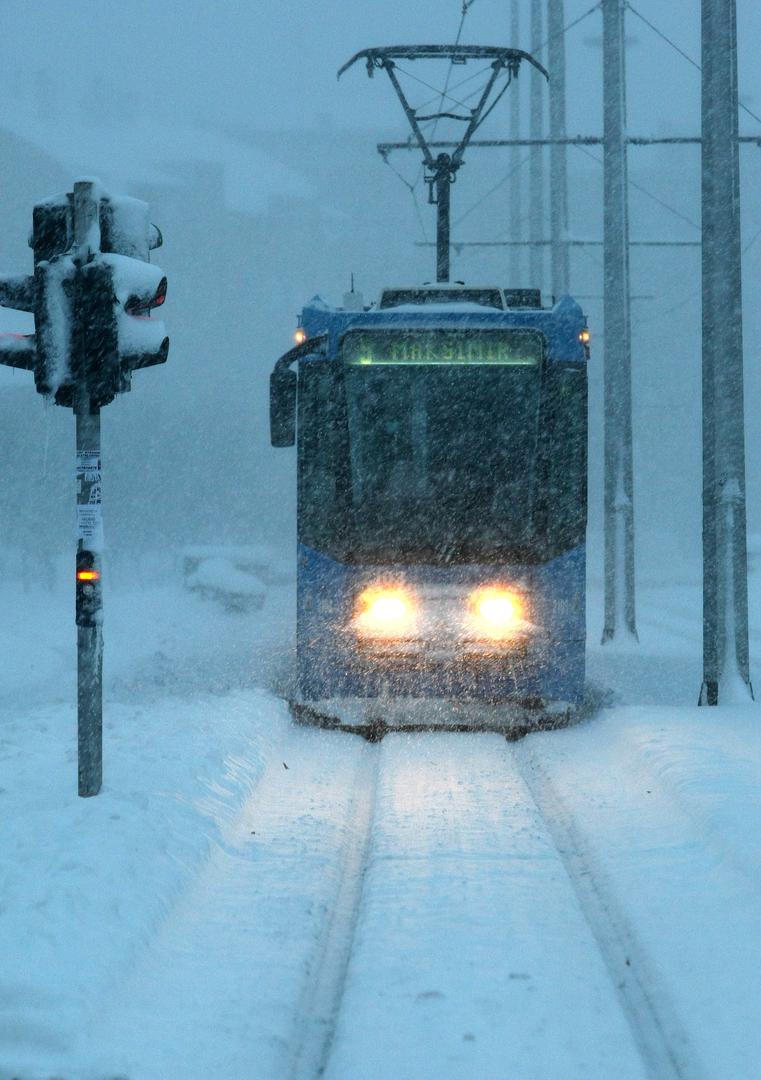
[{"x": 442, "y": 503}]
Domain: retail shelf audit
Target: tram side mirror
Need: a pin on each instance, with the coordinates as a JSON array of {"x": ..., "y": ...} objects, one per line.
[{"x": 283, "y": 388}]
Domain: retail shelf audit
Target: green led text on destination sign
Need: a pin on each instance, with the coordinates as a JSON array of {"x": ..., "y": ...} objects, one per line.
[{"x": 499, "y": 346}]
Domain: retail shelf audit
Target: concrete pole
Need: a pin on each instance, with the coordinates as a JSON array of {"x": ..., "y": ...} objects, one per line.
[
  {"x": 516, "y": 179},
  {"x": 536, "y": 163},
  {"x": 558, "y": 154},
  {"x": 619, "y": 496},
  {"x": 726, "y": 675}
]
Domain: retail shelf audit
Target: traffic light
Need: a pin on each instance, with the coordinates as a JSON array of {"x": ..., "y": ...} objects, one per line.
[
  {"x": 91, "y": 303},
  {"x": 88, "y": 595},
  {"x": 91, "y": 294},
  {"x": 114, "y": 296},
  {"x": 137, "y": 289}
]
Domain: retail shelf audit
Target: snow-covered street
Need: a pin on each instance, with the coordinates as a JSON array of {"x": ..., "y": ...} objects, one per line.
[
  {"x": 252, "y": 899},
  {"x": 346, "y": 384}
]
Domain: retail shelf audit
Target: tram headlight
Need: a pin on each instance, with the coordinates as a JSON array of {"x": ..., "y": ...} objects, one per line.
[
  {"x": 384, "y": 612},
  {"x": 497, "y": 612}
]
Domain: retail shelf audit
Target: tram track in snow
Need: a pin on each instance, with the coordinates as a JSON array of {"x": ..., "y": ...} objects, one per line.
[
  {"x": 321, "y": 999},
  {"x": 654, "y": 1025},
  {"x": 437, "y": 886},
  {"x": 259, "y": 940}
]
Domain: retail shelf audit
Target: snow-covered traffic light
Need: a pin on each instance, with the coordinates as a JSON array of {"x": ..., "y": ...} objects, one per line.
[
  {"x": 137, "y": 288},
  {"x": 91, "y": 294},
  {"x": 114, "y": 297},
  {"x": 91, "y": 297}
]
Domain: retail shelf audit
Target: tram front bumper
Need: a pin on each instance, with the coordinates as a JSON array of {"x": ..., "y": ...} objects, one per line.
[
  {"x": 377, "y": 716},
  {"x": 436, "y": 652}
]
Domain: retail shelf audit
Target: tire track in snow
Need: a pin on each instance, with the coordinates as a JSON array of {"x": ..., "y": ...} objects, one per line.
[
  {"x": 656, "y": 1030},
  {"x": 321, "y": 1001}
]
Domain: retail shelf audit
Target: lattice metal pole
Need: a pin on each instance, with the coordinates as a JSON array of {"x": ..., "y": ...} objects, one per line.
[
  {"x": 726, "y": 675},
  {"x": 558, "y": 153},
  {"x": 618, "y": 496}
]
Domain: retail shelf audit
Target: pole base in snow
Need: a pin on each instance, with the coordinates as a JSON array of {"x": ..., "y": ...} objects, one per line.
[
  {"x": 709, "y": 693},
  {"x": 619, "y": 637},
  {"x": 731, "y": 692}
]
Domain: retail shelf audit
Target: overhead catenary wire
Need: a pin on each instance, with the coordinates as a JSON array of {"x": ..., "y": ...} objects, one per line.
[
  {"x": 415, "y": 201},
  {"x": 682, "y": 53},
  {"x": 574, "y": 22},
  {"x": 428, "y": 85},
  {"x": 484, "y": 70},
  {"x": 466, "y": 6},
  {"x": 463, "y": 82},
  {"x": 570, "y": 26},
  {"x": 440, "y": 96},
  {"x": 644, "y": 191},
  {"x": 498, "y": 98},
  {"x": 696, "y": 292},
  {"x": 497, "y": 186}
]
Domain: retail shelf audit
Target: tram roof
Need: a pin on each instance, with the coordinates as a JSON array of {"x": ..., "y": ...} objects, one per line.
[{"x": 561, "y": 324}]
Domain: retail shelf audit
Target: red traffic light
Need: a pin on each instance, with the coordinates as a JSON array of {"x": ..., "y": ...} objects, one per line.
[{"x": 142, "y": 305}]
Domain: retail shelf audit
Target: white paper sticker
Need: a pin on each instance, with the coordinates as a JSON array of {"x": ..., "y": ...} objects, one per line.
[
  {"x": 89, "y": 520},
  {"x": 90, "y": 526}
]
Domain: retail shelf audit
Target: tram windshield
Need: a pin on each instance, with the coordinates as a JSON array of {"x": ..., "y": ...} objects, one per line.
[{"x": 421, "y": 459}]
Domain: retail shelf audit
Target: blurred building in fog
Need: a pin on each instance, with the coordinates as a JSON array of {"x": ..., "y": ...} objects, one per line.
[{"x": 186, "y": 453}]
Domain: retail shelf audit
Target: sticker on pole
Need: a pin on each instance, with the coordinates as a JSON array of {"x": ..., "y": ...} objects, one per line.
[
  {"x": 88, "y": 467},
  {"x": 89, "y": 519},
  {"x": 90, "y": 526}
]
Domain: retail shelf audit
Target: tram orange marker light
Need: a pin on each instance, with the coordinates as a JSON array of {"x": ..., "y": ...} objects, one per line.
[
  {"x": 88, "y": 575},
  {"x": 300, "y": 336}
]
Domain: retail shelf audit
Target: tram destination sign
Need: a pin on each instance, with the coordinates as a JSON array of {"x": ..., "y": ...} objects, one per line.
[{"x": 498, "y": 346}]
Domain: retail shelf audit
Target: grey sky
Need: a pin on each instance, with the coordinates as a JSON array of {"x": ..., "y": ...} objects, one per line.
[
  {"x": 274, "y": 63},
  {"x": 75, "y": 74}
]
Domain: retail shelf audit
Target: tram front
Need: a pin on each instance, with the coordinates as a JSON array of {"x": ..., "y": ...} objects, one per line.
[{"x": 441, "y": 513}]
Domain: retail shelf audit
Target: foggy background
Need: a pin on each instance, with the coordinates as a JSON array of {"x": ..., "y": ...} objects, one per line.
[{"x": 261, "y": 171}]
